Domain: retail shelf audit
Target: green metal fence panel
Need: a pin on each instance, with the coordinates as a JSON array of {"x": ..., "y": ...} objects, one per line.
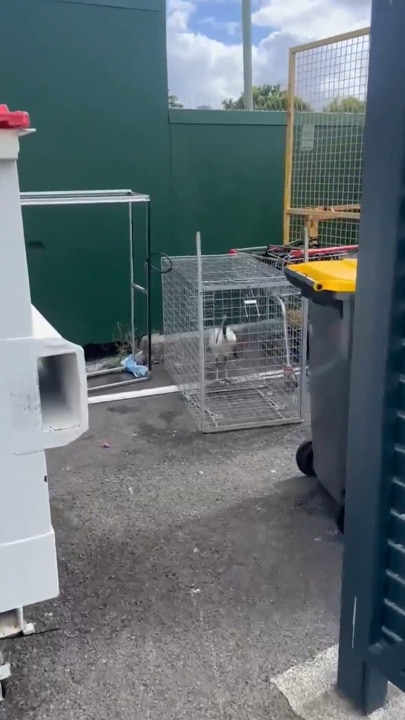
[
  {"x": 334, "y": 167},
  {"x": 372, "y": 637},
  {"x": 151, "y": 5},
  {"x": 227, "y": 178},
  {"x": 94, "y": 80}
]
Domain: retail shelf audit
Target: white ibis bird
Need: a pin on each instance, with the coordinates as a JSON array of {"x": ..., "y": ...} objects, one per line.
[{"x": 222, "y": 343}]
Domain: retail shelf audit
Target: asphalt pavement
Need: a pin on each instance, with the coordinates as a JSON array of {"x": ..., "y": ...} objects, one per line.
[{"x": 193, "y": 570}]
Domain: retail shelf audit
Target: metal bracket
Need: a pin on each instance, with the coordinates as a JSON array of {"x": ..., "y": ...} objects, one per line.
[
  {"x": 141, "y": 289},
  {"x": 13, "y": 623},
  {"x": 5, "y": 674},
  {"x": 251, "y": 304}
]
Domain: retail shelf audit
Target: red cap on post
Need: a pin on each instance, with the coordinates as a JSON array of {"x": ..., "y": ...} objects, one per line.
[{"x": 13, "y": 120}]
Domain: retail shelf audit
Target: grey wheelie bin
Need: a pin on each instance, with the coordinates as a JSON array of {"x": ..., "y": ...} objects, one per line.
[{"x": 330, "y": 287}]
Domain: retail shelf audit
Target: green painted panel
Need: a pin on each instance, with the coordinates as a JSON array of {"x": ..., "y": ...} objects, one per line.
[
  {"x": 227, "y": 182},
  {"x": 96, "y": 88},
  {"x": 219, "y": 117},
  {"x": 94, "y": 81},
  {"x": 151, "y": 5},
  {"x": 93, "y": 76}
]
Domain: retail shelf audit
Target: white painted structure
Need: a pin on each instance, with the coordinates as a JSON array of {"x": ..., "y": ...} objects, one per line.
[{"x": 43, "y": 402}]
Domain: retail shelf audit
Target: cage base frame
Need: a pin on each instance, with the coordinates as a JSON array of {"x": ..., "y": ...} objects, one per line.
[{"x": 193, "y": 405}]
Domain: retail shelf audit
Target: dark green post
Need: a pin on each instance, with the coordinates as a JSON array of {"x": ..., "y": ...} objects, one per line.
[{"x": 372, "y": 600}]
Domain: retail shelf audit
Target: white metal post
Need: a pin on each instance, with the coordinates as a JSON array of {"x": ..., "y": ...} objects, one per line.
[
  {"x": 247, "y": 54},
  {"x": 201, "y": 337}
]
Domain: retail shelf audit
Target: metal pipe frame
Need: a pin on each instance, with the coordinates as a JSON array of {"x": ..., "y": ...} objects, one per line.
[
  {"x": 201, "y": 346},
  {"x": 109, "y": 197},
  {"x": 81, "y": 197},
  {"x": 330, "y": 40}
]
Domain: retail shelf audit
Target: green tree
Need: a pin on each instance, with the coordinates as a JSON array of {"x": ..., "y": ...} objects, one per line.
[
  {"x": 346, "y": 105},
  {"x": 174, "y": 102},
  {"x": 266, "y": 97}
]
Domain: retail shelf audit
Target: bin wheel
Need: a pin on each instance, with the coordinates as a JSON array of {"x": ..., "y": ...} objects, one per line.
[
  {"x": 340, "y": 519},
  {"x": 305, "y": 458}
]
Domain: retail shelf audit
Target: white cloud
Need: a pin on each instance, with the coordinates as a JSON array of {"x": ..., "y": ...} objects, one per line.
[
  {"x": 203, "y": 71},
  {"x": 311, "y": 19},
  {"x": 178, "y": 15},
  {"x": 231, "y": 28}
]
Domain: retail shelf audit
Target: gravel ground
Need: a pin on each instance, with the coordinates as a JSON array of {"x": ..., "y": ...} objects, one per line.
[{"x": 193, "y": 569}]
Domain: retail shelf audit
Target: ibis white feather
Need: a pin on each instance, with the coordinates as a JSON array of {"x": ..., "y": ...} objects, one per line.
[{"x": 222, "y": 343}]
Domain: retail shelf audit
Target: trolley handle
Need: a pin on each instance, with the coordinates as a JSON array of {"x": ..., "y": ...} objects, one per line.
[{"x": 321, "y": 252}]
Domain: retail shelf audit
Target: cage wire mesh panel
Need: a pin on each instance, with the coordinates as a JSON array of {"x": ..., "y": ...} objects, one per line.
[
  {"x": 235, "y": 356},
  {"x": 327, "y": 109}
]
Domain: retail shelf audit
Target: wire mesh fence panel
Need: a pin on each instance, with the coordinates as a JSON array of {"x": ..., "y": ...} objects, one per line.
[
  {"x": 239, "y": 366},
  {"x": 180, "y": 326},
  {"x": 327, "y": 109}
]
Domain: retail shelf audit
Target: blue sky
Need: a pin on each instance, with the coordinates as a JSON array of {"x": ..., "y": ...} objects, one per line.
[{"x": 205, "y": 50}]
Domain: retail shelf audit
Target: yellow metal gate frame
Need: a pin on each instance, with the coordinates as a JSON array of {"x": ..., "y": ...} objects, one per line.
[{"x": 313, "y": 215}]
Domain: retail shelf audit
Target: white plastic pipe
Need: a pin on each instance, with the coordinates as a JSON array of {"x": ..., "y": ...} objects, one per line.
[{"x": 132, "y": 394}]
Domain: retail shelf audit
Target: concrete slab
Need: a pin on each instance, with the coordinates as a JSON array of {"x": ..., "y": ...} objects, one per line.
[{"x": 310, "y": 691}]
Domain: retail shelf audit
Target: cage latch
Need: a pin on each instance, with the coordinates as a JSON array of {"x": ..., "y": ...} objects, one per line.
[{"x": 250, "y": 307}]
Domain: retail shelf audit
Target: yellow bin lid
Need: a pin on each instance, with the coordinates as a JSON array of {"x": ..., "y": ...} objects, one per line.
[{"x": 337, "y": 276}]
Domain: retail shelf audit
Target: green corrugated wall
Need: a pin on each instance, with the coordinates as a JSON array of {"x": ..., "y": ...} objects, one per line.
[{"x": 92, "y": 74}]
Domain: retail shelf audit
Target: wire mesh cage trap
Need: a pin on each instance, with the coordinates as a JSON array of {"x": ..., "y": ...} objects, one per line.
[
  {"x": 325, "y": 128},
  {"x": 233, "y": 339}
]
